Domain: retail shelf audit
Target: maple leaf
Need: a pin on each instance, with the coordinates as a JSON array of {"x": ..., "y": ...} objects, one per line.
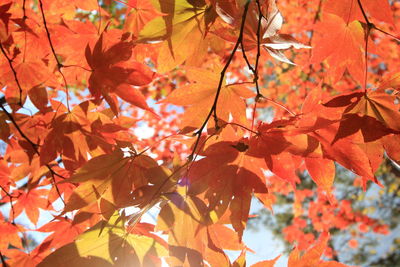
[
  {"x": 361, "y": 158},
  {"x": 270, "y": 23},
  {"x": 202, "y": 92},
  {"x": 341, "y": 44},
  {"x": 30, "y": 202},
  {"x": 5, "y": 132},
  {"x": 390, "y": 143},
  {"x": 113, "y": 73},
  {"x": 4, "y": 20},
  {"x": 19, "y": 258},
  {"x": 280, "y": 144},
  {"x": 28, "y": 74},
  {"x": 201, "y": 240},
  {"x": 186, "y": 247},
  {"x": 391, "y": 81},
  {"x": 68, "y": 8},
  {"x": 312, "y": 256},
  {"x": 139, "y": 13},
  {"x": 272, "y": 41},
  {"x": 266, "y": 263},
  {"x": 107, "y": 243},
  {"x": 367, "y": 110},
  {"x": 112, "y": 183},
  {"x": 183, "y": 20},
  {"x": 350, "y": 10},
  {"x": 9, "y": 233},
  {"x": 63, "y": 232},
  {"x": 322, "y": 171},
  {"x": 39, "y": 97},
  {"x": 70, "y": 135},
  {"x": 228, "y": 178}
]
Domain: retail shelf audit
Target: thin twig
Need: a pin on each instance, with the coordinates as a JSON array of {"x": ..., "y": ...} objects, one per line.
[
  {"x": 12, "y": 206},
  {"x": 77, "y": 66},
  {"x": 316, "y": 18},
  {"x": 213, "y": 110},
  {"x": 363, "y": 12},
  {"x": 14, "y": 73},
  {"x": 99, "y": 10},
  {"x": 369, "y": 27},
  {"x": 280, "y": 105},
  {"x": 254, "y": 115},
  {"x": 258, "y": 50},
  {"x": 254, "y": 69},
  {"x": 24, "y": 10},
  {"x": 59, "y": 64},
  {"x": 156, "y": 143},
  {"x": 3, "y": 260},
  {"x": 385, "y": 32},
  {"x": 241, "y": 126},
  {"x": 157, "y": 192},
  {"x": 24, "y": 17},
  {"x": 34, "y": 147}
]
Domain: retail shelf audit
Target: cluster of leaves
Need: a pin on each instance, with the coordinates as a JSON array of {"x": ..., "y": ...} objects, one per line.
[
  {"x": 358, "y": 221},
  {"x": 79, "y": 82}
]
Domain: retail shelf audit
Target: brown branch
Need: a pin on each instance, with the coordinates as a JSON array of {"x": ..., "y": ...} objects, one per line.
[
  {"x": 316, "y": 18},
  {"x": 3, "y": 260},
  {"x": 363, "y": 12},
  {"x": 99, "y": 10},
  {"x": 14, "y": 73},
  {"x": 35, "y": 148},
  {"x": 11, "y": 118},
  {"x": 24, "y": 10},
  {"x": 59, "y": 64},
  {"x": 254, "y": 115},
  {"x": 213, "y": 110},
  {"x": 258, "y": 50},
  {"x": 254, "y": 69},
  {"x": 12, "y": 206},
  {"x": 368, "y": 31},
  {"x": 385, "y": 32}
]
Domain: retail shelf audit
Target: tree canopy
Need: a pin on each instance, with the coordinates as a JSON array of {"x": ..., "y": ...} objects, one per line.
[{"x": 194, "y": 109}]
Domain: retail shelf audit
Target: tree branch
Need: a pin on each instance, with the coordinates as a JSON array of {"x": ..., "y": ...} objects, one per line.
[
  {"x": 35, "y": 149},
  {"x": 12, "y": 206},
  {"x": 14, "y": 73},
  {"x": 213, "y": 110},
  {"x": 59, "y": 64},
  {"x": 369, "y": 27}
]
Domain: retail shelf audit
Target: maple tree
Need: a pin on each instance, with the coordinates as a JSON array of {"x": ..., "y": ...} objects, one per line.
[{"x": 240, "y": 101}]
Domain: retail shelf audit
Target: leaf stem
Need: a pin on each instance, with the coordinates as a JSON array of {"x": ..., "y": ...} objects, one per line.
[
  {"x": 3, "y": 260},
  {"x": 77, "y": 66},
  {"x": 59, "y": 64},
  {"x": 14, "y": 73},
  {"x": 99, "y": 10},
  {"x": 241, "y": 126},
  {"x": 213, "y": 110},
  {"x": 281, "y": 106},
  {"x": 369, "y": 27},
  {"x": 12, "y": 206}
]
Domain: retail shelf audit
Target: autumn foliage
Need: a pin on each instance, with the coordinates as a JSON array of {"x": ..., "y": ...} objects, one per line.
[{"x": 193, "y": 109}]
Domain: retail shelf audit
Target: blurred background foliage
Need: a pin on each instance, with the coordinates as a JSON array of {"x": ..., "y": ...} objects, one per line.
[{"x": 369, "y": 237}]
